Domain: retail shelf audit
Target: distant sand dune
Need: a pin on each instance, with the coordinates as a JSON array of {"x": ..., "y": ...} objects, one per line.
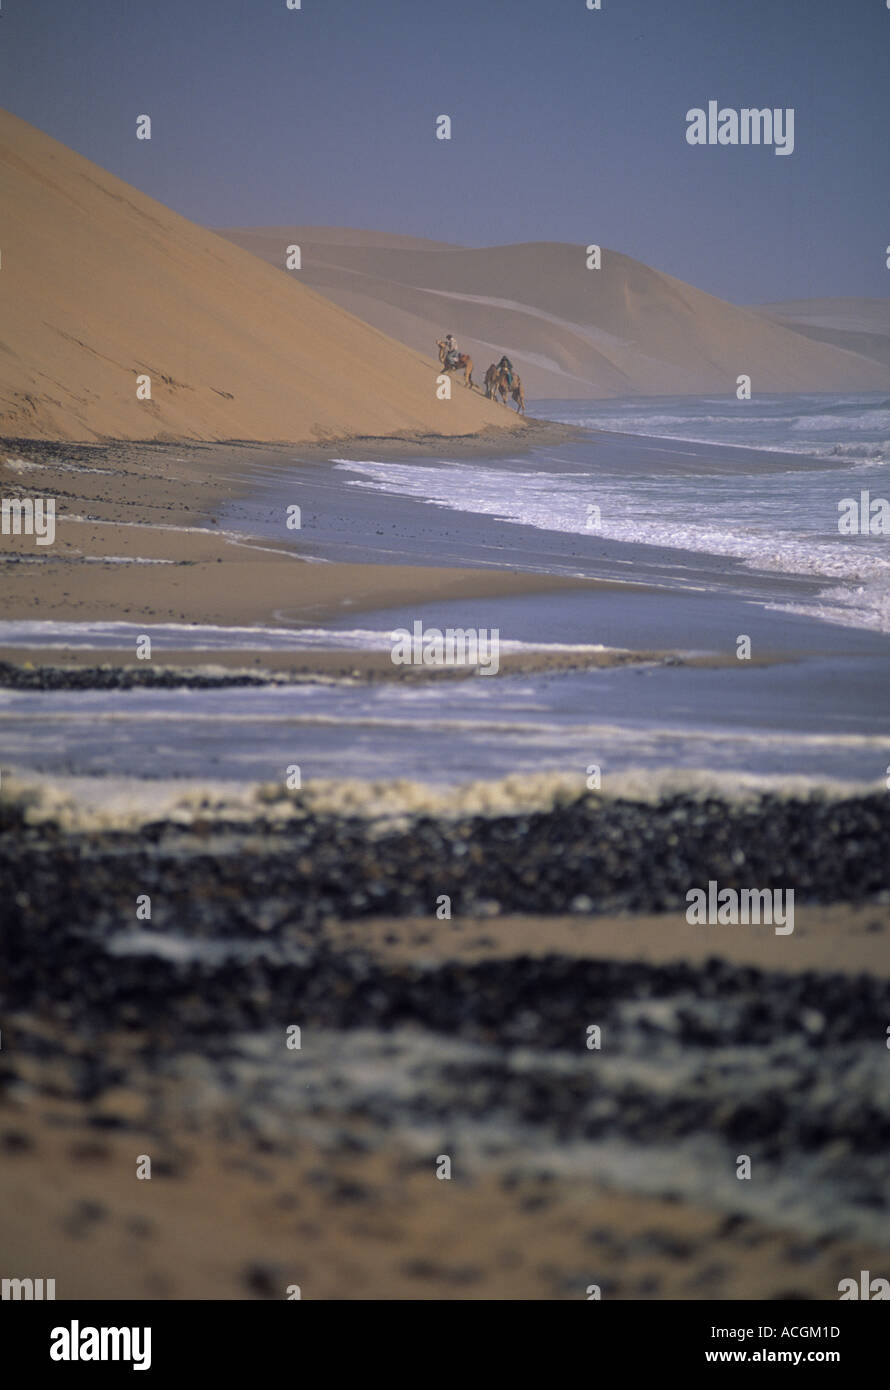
[
  {"x": 101, "y": 283},
  {"x": 621, "y": 330},
  {"x": 859, "y": 325}
]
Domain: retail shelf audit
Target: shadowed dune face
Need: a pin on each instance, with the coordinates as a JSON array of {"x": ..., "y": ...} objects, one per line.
[
  {"x": 102, "y": 284},
  {"x": 619, "y": 330}
]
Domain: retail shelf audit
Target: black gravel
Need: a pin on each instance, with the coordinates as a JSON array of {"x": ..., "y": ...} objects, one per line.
[
  {"x": 787, "y": 1066},
  {"x": 594, "y": 855},
  {"x": 13, "y": 677}
]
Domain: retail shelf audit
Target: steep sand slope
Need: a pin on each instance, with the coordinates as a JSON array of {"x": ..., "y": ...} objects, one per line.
[
  {"x": 100, "y": 283},
  {"x": 860, "y": 325},
  {"x": 623, "y": 329}
]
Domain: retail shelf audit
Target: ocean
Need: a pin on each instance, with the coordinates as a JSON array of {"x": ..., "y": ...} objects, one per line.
[
  {"x": 723, "y": 514},
  {"x": 775, "y": 512}
]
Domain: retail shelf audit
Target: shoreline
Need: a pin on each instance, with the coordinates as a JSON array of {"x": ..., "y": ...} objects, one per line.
[
  {"x": 605, "y": 635},
  {"x": 204, "y": 485},
  {"x": 135, "y": 540},
  {"x": 174, "y": 576},
  {"x": 198, "y": 533}
]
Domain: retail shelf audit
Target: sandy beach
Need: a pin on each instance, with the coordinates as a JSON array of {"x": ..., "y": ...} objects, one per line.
[
  {"x": 132, "y": 506},
  {"x": 331, "y": 963},
  {"x": 420, "y": 1036},
  {"x": 222, "y": 1221}
]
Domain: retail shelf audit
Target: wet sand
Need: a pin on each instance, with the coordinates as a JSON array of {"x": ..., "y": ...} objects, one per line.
[
  {"x": 173, "y": 533},
  {"x": 176, "y": 482},
  {"x": 135, "y": 541},
  {"x": 228, "y": 581}
]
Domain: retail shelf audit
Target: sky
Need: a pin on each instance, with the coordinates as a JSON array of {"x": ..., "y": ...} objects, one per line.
[{"x": 568, "y": 124}]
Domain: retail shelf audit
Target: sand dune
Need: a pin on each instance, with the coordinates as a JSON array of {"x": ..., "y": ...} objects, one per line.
[
  {"x": 859, "y": 325},
  {"x": 100, "y": 283},
  {"x": 621, "y": 330}
]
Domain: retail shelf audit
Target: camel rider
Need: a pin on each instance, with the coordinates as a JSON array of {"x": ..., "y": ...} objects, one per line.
[
  {"x": 452, "y": 356},
  {"x": 506, "y": 366}
]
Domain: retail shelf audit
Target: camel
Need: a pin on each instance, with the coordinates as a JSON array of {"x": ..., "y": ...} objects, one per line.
[
  {"x": 489, "y": 381},
  {"x": 496, "y": 384},
  {"x": 464, "y": 363}
]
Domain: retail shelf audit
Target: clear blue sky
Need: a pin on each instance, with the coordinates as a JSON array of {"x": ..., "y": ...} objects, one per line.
[{"x": 569, "y": 124}]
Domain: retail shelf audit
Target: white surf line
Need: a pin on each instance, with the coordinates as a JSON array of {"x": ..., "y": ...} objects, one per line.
[
  {"x": 29, "y": 466},
  {"x": 434, "y": 725},
  {"x": 246, "y": 542},
  {"x": 238, "y": 538},
  {"x": 15, "y": 631},
  {"x": 77, "y": 556},
  {"x": 640, "y": 441},
  {"x": 139, "y": 525}
]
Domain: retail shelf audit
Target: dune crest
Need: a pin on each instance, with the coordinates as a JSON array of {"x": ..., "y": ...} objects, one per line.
[
  {"x": 101, "y": 284},
  {"x": 624, "y": 329}
]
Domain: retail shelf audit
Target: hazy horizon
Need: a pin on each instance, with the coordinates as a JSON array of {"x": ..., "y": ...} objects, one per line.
[{"x": 270, "y": 116}]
